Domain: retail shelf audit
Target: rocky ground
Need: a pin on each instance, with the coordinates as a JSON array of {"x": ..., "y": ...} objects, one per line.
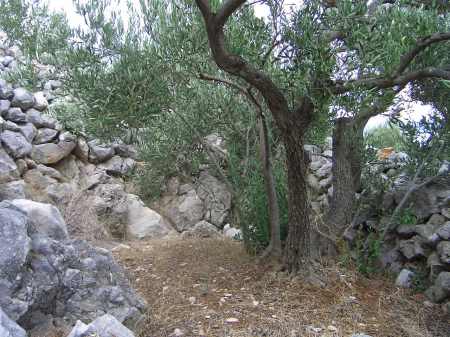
[{"x": 211, "y": 287}]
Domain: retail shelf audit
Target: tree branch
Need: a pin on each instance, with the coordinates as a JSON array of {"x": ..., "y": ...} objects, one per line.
[
  {"x": 421, "y": 45},
  {"x": 386, "y": 82},
  {"x": 227, "y": 9}
]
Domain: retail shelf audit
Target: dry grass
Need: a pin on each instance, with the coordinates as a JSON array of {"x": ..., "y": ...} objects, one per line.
[
  {"x": 81, "y": 217},
  {"x": 226, "y": 282}
]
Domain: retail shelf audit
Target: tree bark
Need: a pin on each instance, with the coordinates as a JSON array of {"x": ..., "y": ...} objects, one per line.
[
  {"x": 297, "y": 252},
  {"x": 347, "y": 164},
  {"x": 274, "y": 249}
]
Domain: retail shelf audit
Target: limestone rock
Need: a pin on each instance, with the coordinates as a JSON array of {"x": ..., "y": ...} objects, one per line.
[
  {"x": 443, "y": 249},
  {"x": 125, "y": 151},
  {"x": 104, "y": 326},
  {"x": 118, "y": 165},
  {"x": 440, "y": 289},
  {"x": 12, "y": 190},
  {"x": 45, "y": 218},
  {"x": 15, "y": 115},
  {"x": 45, "y": 135},
  {"x": 82, "y": 149},
  {"x": 404, "y": 279},
  {"x": 22, "y": 98},
  {"x": 52, "y": 153},
  {"x": 4, "y": 106},
  {"x": 9, "y": 328},
  {"x": 202, "y": 229},
  {"x": 216, "y": 197},
  {"x": 67, "y": 279},
  {"x": 412, "y": 248},
  {"x": 444, "y": 231},
  {"x": 232, "y": 233},
  {"x": 8, "y": 168},
  {"x": 99, "y": 153},
  {"x": 28, "y": 130},
  {"x": 144, "y": 222},
  {"x": 40, "y": 102},
  {"x": 39, "y": 120},
  {"x": 15, "y": 144},
  {"x": 183, "y": 211}
]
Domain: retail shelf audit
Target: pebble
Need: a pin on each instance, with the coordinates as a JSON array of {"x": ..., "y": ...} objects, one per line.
[{"x": 232, "y": 320}]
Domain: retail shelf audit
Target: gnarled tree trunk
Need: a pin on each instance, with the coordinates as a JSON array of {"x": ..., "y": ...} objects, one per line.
[{"x": 347, "y": 164}]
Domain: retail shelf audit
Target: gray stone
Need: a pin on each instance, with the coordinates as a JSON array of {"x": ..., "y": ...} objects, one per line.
[
  {"x": 104, "y": 326},
  {"x": 232, "y": 233},
  {"x": 40, "y": 101},
  {"x": 12, "y": 190},
  {"x": 8, "y": 168},
  {"x": 15, "y": 144},
  {"x": 51, "y": 153},
  {"x": 144, "y": 222},
  {"x": 443, "y": 249},
  {"x": 436, "y": 219},
  {"x": 125, "y": 151},
  {"x": 202, "y": 229},
  {"x": 445, "y": 168},
  {"x": 15, "y": 115},
  {"x": 22, "y": 98},
  {"x": 11, "y": 126},
  {"x": 9, "y": 328},
  {"x": 216, "y": 198},
  {"x": 99, "y": 153},
  {"x": 45, "y": 135},
  {"x": 82, "y": 149},
  {"x": 404, "y": 279},
  {"x": 45, "y": 218},
  {"x": 444, "y": 231},
  {"x": 440, "y": 289},
  {"x": 39, "y": 120},
  {"x": 412, "y": 248},
  {"x": 317, "y": 162},
  {"x": 406, "y": 231},
  {"x": 4, "y": 107},
  {"x": 28, "y": 130},
  {"x": 6, "y": 91},
  {"x": 435, "y": 265},
  {"x": 118, "y": 165},
  {"x": 427, "y": 233},
  {"x": 325, "y": 170},
  {"x": 313, "y": 183}
]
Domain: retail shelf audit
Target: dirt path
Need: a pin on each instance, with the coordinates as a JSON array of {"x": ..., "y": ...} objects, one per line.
[{"x": 213, "y": 288}]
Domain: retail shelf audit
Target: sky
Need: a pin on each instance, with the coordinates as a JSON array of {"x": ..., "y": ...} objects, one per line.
[{"x": 413, "y": 111}]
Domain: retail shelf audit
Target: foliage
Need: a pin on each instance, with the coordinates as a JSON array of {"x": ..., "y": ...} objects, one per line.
[
  {"x": 389, "y": 135},
  {"x": 367, "y": 253},
  {"x": 30, "y": 24}
]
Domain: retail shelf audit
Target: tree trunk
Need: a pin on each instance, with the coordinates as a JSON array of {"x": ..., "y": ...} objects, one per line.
[
  {"x": 274, "y": 249},
  {"x": 297, "y": 252},
  {"x": 347, "y": 163}
]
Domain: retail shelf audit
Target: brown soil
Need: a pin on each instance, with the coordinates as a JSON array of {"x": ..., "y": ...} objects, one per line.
[{"x": 197, "y": 285}]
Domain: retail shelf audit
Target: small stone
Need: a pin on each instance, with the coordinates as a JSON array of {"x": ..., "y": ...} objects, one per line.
[
  {"x": 332, "y": 328},
  {"x": 192, "y": 300},
  {"x": 177, "y": 333},
  {"x": 22, "y": 98},
  {"x": 436, "y": 219},
  {"x": 232, "y": 320},
  {"x": 15, "y": 115},
  {"x": 404, "y": 279}
]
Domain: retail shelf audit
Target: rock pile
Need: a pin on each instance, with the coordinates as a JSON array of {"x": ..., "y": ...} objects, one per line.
[{"x": 48, "y": 279}]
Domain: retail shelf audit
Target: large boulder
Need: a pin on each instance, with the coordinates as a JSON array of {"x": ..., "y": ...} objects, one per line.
[
  {"x": 8, "y": 168},
  {"x": 28, "y": 130},
  {"x": 440, "y": 290},
  {"x": 144, "y": 222},
  {"x": 66, "y": 280},
  {"x": 45, "y": 218},
  {"x": 15, "y": 115},
  {"x": 52, "y": 153},
  {"x": 104, "y": 326},
  {"x": 15, "y": 144},
  {"x": 22, "y": 98},
  {"x": 183, "y": 211},
  {"x": 216, "y": 197},
  {"x": 443, "y": 249},
  {"x": 9, "y": 328}
]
